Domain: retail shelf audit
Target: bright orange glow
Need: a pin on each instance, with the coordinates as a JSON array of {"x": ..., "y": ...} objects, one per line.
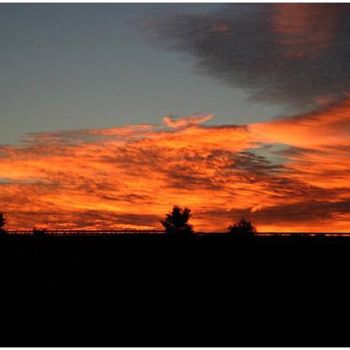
[{"x": 286, "y": 175}]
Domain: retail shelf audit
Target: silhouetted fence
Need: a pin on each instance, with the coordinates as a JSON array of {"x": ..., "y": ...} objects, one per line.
[
  {"x": 106, "y": 232},
  {"x": 85, "y": 232}
]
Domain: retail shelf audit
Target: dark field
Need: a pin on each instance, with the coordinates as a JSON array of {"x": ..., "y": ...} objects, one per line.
[{"x": 161, "y": 291}]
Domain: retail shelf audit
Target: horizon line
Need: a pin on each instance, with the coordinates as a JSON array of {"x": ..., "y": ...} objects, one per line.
[{"x": 158, "y": 231}]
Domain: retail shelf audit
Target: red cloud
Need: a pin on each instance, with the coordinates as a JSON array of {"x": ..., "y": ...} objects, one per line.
[{"x": 287, "y": 175}]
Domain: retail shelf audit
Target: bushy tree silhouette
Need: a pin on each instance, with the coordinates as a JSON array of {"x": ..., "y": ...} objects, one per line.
[
  {"x": 3, "y": 222},
  {"x": 176, "y": 222},
  {"x": 243, "y": 228}
]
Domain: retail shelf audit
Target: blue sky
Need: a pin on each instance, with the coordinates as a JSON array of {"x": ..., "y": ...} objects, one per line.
[{"x": 68, "y": 66}]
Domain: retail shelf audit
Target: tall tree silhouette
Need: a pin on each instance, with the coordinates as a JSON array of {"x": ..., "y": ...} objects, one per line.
[
  {"x": 3, "y": 222},
  {"x": 176, "y": 222},
  {"x": 243, "y": 228}
]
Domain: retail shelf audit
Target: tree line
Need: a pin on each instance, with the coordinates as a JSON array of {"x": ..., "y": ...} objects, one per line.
[{"x": 175, "y": 223}]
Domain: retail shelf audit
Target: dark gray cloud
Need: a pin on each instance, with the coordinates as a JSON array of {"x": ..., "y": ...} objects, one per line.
[
  {"x": 293, "y": 54},
  {"x": 306, "y": 211},
  {"x": 311, "y": 211}
]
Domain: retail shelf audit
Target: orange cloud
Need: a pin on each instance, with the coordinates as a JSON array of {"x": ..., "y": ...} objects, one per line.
[{"x": 287, "y": 175}]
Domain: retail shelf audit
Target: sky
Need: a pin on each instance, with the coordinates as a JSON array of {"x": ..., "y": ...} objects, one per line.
[
  {"x": 113, "y": 113},
  {"x": 66, "y": 66}
]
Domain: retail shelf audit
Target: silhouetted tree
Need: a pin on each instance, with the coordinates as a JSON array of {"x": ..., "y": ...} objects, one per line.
[
  {"x": 37, "y": 232},
  {"x": 3, "y": 222},
  {"x": 243, "y": 228},
  {"x": 176, "y": 222}
]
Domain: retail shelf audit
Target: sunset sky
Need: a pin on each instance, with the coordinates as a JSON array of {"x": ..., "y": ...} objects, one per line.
[{"x": 113, "y": 113}]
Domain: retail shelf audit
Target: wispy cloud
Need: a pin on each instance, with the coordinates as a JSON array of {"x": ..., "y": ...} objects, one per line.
[{"x": 186, "y": 121}]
